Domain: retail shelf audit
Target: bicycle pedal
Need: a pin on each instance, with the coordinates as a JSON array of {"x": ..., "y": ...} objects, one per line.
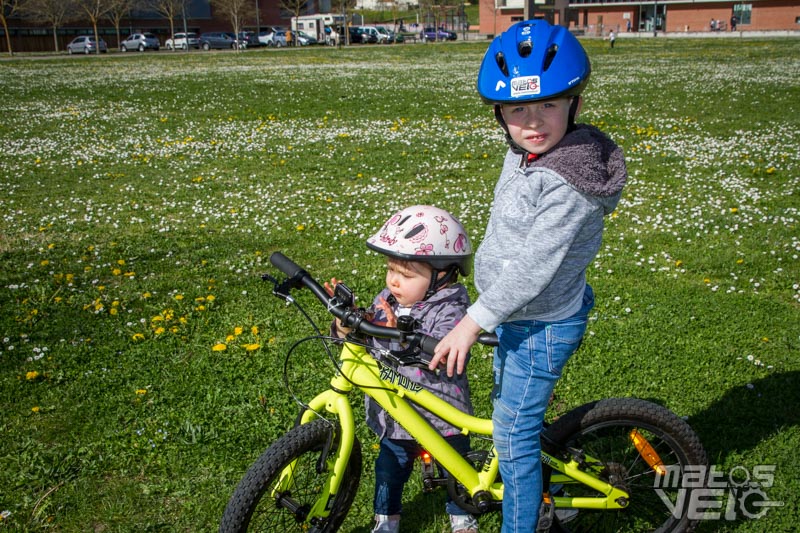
[{"x": 546, "y": 513}]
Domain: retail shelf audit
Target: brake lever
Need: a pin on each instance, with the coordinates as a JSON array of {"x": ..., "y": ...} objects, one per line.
[{"x": 282, "y": 289}]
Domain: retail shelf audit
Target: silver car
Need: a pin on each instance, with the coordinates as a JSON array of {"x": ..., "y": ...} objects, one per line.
[
  {"x": 85, "y": 44},
  {"x": 140, "y": 41}
]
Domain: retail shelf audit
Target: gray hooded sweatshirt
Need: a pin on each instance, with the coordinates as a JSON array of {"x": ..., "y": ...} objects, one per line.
[{"x": 545, "y": 228}]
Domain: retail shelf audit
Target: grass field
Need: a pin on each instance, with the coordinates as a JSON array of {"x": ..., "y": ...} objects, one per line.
[{"x": 141, "y": 357}]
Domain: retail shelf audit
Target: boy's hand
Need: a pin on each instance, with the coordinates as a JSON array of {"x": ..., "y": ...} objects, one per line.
[{"x": 453, "y": 349}]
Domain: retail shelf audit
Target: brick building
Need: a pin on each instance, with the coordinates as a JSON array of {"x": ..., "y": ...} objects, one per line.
[{"x": 597, "y": 17}]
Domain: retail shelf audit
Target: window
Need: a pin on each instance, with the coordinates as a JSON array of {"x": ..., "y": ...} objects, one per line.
[{"x": 743, "y": 12}]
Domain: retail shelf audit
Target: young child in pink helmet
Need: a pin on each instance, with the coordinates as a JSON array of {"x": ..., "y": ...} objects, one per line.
[{"x": 426, "y": 249}]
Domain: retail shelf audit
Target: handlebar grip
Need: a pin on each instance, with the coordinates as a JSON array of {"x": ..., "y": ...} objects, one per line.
[
  {"x": 428, "y": 344},
  {"x": 286, "y": 265}
]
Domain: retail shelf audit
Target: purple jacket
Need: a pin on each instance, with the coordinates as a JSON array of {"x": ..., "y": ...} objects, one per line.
[{"x": 437, "y": 316}]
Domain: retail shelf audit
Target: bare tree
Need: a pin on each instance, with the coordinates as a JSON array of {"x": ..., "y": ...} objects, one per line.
[
  {"x": 237, "y": 11},
  {"x": 343, "y": 7},
  {"x": 295, "y": 7},
  {"x": 9, "y": 8},
  {"x": 54, "y": 13},
  {"x": 95, "y": 10},
  {"x": 119, "y": 10},
  {"x": 169, "y": 9}
]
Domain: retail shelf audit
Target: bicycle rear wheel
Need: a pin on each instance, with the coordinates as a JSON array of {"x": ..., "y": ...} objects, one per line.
[
  {"x": 257, "y": 505},
  {"x": 606, "y": 431}
]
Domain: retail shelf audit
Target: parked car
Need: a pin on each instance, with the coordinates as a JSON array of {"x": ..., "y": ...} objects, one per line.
[
  {"x": 432, "y": 34},
  {"x": 182, "y": 40},
  {"x": 265, "y": 36},
  {"x": 140, "y": 42},
  {"x": 388, "y": 35},
  {"x": 374, "y": 36},
  {"x": 85, "y": 44},
  {"x": 305, "y": 39},
  {"x": 279, "y": 39},
  {"x": 358, "y": 35},
  {"x": 219, "y": 40},
  {"x": 250, "y": 39}
]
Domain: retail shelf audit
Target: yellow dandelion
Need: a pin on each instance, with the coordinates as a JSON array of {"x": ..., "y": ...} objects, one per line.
[
  {"x": 146, "y": 295},
  {"x": 734, "y": 209},
  {"x": 35, "y": 409},
  {"x": 251, "y": 347},
  {"x": 254, "y": 330},
  {"x": 229, "y": 338},
  {"x": 219, "y": 347},
  {"x": 137, "y": 337},
  {"x": 238, "y": 330},
  {"x": 211, "y": 297},
  {"x": 32, "y": 375},
  {"x": 300, "y": 227},
  {"x": 141, "y": 392},
  {"x": 44, "y": 262},
  {"x": 179, "y": 297},
  {"x": 678, "y": 263},
  {"x": 159, "y": 331}
]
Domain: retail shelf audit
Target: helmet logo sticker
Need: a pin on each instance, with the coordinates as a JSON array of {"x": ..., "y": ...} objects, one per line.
[
  {"x": 500, "y": 85},
  {"x": 525, "y": 85}
]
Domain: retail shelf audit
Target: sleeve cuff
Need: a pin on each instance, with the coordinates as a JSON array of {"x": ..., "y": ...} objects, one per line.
[{"x": 487, "y": 320}]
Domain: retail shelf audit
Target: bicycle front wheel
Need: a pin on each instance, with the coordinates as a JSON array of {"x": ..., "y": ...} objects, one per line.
[
  {"x": 284, "y": 483},
  {"x": 643, "y": 448}
]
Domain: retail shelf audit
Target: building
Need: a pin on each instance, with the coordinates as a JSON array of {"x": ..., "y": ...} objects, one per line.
[{"x": 597, "y": 17}]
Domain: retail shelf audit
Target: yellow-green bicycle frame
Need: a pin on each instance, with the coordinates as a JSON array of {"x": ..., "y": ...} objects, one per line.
[{"x": 393, "y": 391}]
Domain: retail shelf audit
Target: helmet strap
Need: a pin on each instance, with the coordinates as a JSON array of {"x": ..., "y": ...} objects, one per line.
[{"x": 437, "y": 283}]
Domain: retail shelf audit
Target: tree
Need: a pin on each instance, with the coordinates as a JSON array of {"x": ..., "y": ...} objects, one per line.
[
  {"x": 9, "y": 8},
  {"x": 237, "y": 12},
  {"x": 119, "y": 10},
  {"x": 95, "y": 10},
  {"x": 169, "y": 9},
  {"x": 295, "y": 7},
  {"x": 343, "y": 6},
  {"x": 54, "y": 13}
]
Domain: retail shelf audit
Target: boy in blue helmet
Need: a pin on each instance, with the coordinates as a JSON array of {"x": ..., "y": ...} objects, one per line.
[{"x": 558, "y": 181}]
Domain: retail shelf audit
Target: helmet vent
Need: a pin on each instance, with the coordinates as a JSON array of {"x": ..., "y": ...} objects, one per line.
[
  {"x": 525, "y": 48},
  {"x": 549, "y": 56},
  {"x": 500, "y": 58},
  {"x": 415, "y": 231},
  {"x": 404, "y": 220}
]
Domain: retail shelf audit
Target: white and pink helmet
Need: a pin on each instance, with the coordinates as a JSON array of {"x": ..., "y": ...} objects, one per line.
[{"x": 426, "y": 234}]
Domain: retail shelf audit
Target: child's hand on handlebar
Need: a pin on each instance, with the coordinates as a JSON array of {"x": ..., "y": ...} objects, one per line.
[
  {"x": 341, "y": 331},
  {"x": 391, "y": 318},
  {"x": 453, "y": 349}
]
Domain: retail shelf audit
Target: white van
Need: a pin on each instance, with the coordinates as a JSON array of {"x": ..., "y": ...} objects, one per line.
[{"x": 370, "y": 30}]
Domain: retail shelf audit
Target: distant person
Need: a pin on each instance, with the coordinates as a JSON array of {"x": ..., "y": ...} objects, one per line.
[
  {"x": 629, "y": 26},
  {"x": 734, "y": 22},
  {"x": 612, "y": 37},
  {"x": 289, "y": 38}
]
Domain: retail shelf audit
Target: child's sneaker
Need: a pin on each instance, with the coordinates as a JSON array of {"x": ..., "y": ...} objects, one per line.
[
  {"x": 386, "y": 523},
  {"x": 463, "y": 523}
]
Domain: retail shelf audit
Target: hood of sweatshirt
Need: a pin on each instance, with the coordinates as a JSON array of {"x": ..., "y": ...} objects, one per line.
[{"x": 588, "y": 160}]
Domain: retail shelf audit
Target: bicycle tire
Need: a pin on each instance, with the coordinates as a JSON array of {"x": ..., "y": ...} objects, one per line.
[
  {"x": 602, "y": 430},
  {"x": 250, "y": 507}
]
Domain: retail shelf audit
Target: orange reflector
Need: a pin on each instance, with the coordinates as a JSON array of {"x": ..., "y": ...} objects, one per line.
[
  {"x": 647, "y": 452},
  {"x": 426, "y": 457}
]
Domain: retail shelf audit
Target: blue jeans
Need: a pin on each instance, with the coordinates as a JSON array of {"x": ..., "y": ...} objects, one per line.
[
  {"x": 393, "y": 467},
  {"x": 527, "y": 364}
]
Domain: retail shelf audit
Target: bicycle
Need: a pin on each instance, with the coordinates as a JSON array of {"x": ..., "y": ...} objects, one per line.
[{"x": 614, "y": 462}]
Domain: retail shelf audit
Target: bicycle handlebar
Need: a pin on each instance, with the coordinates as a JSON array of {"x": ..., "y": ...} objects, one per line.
[{"x": 298, "y": 278}]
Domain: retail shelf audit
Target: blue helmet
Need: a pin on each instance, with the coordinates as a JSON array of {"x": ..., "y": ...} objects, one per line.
[{"x": 531, "y": 61}]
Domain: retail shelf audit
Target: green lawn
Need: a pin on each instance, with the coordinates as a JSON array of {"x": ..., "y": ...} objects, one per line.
[{"x": 143, "y": 193}]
